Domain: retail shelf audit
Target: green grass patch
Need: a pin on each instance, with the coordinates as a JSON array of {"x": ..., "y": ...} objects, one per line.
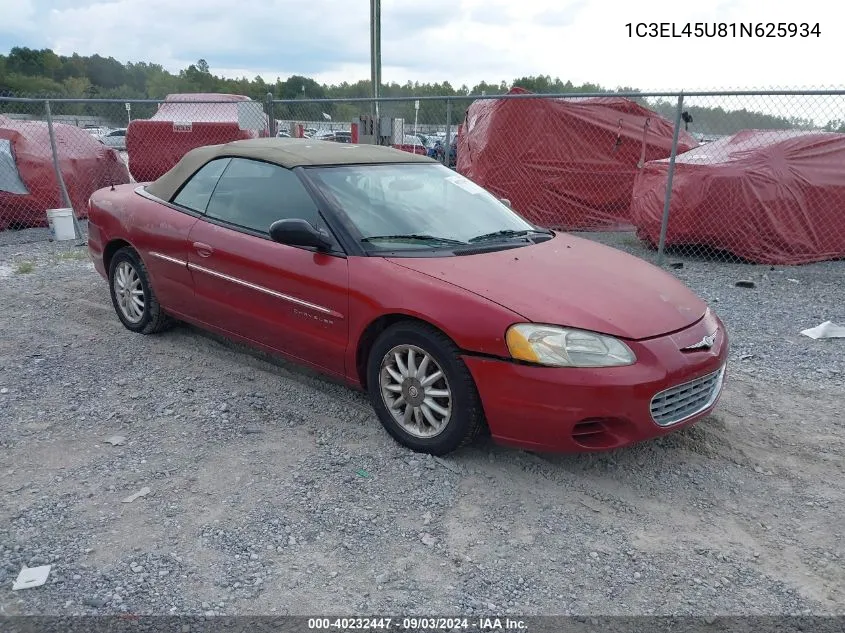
[{"x": 74, "y": 255}]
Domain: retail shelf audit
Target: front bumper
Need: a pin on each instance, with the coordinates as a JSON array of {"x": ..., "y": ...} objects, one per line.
[{"x": 575, "y": 410}]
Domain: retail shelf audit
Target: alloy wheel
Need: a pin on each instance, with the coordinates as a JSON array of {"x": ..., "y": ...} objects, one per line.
[
  {"x": 129, "y": 292},
  {"x": 415, "y": 391}
]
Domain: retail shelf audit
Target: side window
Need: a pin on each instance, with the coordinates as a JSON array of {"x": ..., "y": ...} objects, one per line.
[
  {"x": 196, "y": 193},
  {"x": 253, "y": 194}
]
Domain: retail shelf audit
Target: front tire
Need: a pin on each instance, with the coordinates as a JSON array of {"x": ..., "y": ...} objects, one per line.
[
  {"x": 422, "y": 391},
  {"x": 132, "y": 295}
]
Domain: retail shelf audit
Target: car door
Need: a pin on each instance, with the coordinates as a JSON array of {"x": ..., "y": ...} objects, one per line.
[
  {"x": 163, "y": 227},
  {"x": 293, "y": 300}
]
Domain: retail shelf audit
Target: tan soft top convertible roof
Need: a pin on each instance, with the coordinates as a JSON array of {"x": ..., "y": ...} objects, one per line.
[{"x": 287, "y": 152}]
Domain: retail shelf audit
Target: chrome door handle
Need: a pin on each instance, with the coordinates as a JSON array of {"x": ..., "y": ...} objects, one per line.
[{"x": 204, "y": 250}]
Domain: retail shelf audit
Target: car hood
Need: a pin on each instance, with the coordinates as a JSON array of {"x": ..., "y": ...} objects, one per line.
[{"x": 573, "y": 282}]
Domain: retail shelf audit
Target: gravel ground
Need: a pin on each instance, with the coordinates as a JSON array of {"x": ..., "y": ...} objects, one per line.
[{"x": 275, "y": 491}]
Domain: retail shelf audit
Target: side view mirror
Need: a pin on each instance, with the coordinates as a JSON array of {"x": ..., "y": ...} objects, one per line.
[
  {"x": 505, "y": 202},
  {"x": 296, "y": 232}
]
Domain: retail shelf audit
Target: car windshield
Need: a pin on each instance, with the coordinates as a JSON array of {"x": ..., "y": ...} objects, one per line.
[{"x": 416, "y": 206}]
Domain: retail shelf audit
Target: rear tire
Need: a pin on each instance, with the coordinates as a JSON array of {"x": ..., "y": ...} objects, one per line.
[
  {"x": 132, "y": 294},
  {"x": 422, "y": 391}
]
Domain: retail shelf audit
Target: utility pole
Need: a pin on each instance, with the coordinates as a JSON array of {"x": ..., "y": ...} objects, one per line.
[{"x": 375, "y": 51}]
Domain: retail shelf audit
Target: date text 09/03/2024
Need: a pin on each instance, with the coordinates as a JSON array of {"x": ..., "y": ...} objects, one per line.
[{"x": 724, "y": 29}]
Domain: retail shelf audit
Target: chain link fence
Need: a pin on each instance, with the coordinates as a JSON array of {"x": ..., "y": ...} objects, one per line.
[
  {"x": 423, "y": 126},
  {"x": 743, "y": 177}
]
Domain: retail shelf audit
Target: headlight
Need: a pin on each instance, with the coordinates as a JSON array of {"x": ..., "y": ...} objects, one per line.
[{"x": 564, "y": 347}]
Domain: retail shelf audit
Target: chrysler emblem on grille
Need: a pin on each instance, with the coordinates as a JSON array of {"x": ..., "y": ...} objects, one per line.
[{"x": 705, "y": 343}]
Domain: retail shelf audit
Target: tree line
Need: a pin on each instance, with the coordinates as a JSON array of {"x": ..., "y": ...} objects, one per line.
[{"x": 35, "y": 73}]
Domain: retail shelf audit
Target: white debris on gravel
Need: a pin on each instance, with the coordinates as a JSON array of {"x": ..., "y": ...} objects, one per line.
[
  {"x": 825, "y": 330},
  {"x": 31, "y": 577},
  {"x": 143, "y": 492},
  {"x": 260, "y": 505}
]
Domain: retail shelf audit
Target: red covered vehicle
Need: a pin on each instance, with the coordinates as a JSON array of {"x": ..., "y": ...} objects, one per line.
[
  {"x": 768, "y": 196},
  {"x": 183, "y": 122},
  {"x": 396, "y": 275},
  {"x": 28, "y": 185},
  {"x": 564, "y": 163}
]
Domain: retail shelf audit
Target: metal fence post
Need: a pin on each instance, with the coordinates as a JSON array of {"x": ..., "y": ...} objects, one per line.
[
  {"x": 375, "y": 54},
  {"x": 57, "y": 167},
  {"x": 448, "y": 147},
  {"x": 664, "y": 225},
  {"x": 271, "y": 119}
]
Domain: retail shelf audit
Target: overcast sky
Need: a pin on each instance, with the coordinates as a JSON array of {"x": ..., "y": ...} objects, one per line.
[{"x": 461, "y": 41}]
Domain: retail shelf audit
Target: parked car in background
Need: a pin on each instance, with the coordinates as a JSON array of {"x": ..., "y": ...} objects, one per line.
[
  {"x": 412, "y": 143},
  {"x": 115, "y": 139},
  {"x": 425, "y": 139},
  {"x": 339, "y": 136},
  {"x": 399, "y": 276},
  {"x": 436, "y": 150}
]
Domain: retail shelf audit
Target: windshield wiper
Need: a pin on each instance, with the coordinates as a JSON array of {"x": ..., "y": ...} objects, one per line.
[
  {"x": 507, "y": 233},
  {"x": 415, "y": 237}
]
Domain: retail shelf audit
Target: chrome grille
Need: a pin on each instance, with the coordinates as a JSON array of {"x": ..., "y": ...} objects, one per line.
[{"x": 678, "y": 403}]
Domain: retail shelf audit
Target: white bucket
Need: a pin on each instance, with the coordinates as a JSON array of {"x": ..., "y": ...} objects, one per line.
[{"x": 61, "y": 224}]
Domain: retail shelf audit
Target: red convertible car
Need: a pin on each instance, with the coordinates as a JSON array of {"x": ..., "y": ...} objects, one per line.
[{"x": 403, "y": 278}]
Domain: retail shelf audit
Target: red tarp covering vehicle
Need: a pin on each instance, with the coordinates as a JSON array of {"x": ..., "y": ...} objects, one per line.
[
  {"x": 767, "y": 196},
  {"x": 563, "y": 163},
  {"x": 28, "y": 185},
  {"x": 156, "y": 144}
]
